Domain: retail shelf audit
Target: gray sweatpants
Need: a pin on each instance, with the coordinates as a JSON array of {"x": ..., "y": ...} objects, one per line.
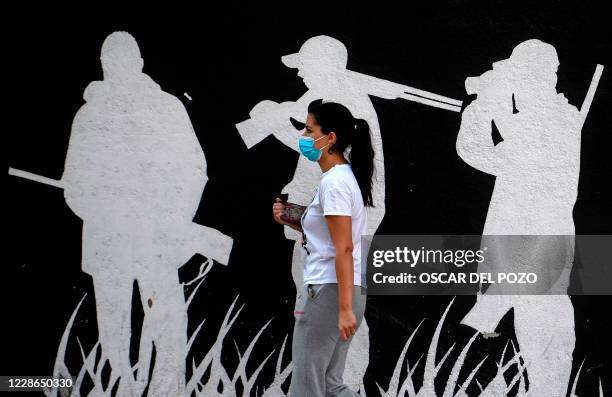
[{"x": 319, "y": 353}]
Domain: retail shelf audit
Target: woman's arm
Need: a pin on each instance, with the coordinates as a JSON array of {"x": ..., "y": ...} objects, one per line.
[{"x": 340, "y": 230}]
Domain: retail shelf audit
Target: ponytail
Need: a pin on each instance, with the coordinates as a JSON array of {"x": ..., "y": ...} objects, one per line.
[{"x": 361, "y": 158}]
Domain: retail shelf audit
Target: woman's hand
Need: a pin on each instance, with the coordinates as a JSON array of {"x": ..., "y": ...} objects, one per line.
[
  {"x": 347, "y": 323},
  {"x": 278, "y": 208}
]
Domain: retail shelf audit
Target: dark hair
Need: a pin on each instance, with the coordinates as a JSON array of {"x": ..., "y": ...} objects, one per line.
[{"x": 332, "y": 116}]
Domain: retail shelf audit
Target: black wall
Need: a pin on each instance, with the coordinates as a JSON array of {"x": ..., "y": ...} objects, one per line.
[{"x": 227, "y": 62}]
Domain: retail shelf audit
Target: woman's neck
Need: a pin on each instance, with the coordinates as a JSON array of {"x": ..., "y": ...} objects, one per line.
[{"x": 327, "y": 162}]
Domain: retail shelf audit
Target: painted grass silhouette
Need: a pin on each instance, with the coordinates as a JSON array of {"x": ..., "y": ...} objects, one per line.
[{"x": 220, "y": 379}]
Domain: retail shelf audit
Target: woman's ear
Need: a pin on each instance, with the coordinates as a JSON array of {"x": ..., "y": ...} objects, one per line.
[{"x": 333, "y": 138}]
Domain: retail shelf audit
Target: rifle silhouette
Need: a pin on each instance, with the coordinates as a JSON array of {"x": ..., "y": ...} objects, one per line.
[
  {"x": 260, "y": 123},
  {"x": 205, "y": 241}
]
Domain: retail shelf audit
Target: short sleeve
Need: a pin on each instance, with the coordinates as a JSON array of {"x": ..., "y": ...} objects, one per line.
[{"x": 336, "y": 201}]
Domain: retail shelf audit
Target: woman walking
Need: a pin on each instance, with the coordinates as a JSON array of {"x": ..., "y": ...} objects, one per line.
[{"x": 332, "y": 303}]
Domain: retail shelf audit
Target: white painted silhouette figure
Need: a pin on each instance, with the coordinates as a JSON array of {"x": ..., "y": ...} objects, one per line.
[
  {"x": 536, "y": 167},
  {"x": 134, "y": 174},
  {"x": 321, "y": 63}
]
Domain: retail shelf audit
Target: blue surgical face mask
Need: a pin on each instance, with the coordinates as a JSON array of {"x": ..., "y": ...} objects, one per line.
[{"x": 306, "y": 144}]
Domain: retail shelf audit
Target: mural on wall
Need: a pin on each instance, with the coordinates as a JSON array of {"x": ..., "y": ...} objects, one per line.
[
  {"x": 321, "y": 63},
  {"x": 536, "y": 164},
  {"x": 136, "y": 175}
]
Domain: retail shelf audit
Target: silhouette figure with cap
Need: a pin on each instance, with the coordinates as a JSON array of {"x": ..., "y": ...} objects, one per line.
[
  {"x": 536, "y": 164},
  {"x": 321, "y": 63}
]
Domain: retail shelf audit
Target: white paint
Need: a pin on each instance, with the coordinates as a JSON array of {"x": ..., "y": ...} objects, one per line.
[
  {"x": 537, "y": 167},
  {"x": 134, "y": 174},
  {"x": 321, "y": 63},
  {"x": 35, "y": 178}
]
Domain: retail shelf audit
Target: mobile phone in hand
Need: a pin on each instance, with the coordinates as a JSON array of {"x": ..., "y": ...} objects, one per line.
[{"x": 293, "y": 212}]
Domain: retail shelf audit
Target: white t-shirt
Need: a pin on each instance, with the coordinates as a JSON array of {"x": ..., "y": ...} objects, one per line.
[{"x": 337, "y": 194}]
